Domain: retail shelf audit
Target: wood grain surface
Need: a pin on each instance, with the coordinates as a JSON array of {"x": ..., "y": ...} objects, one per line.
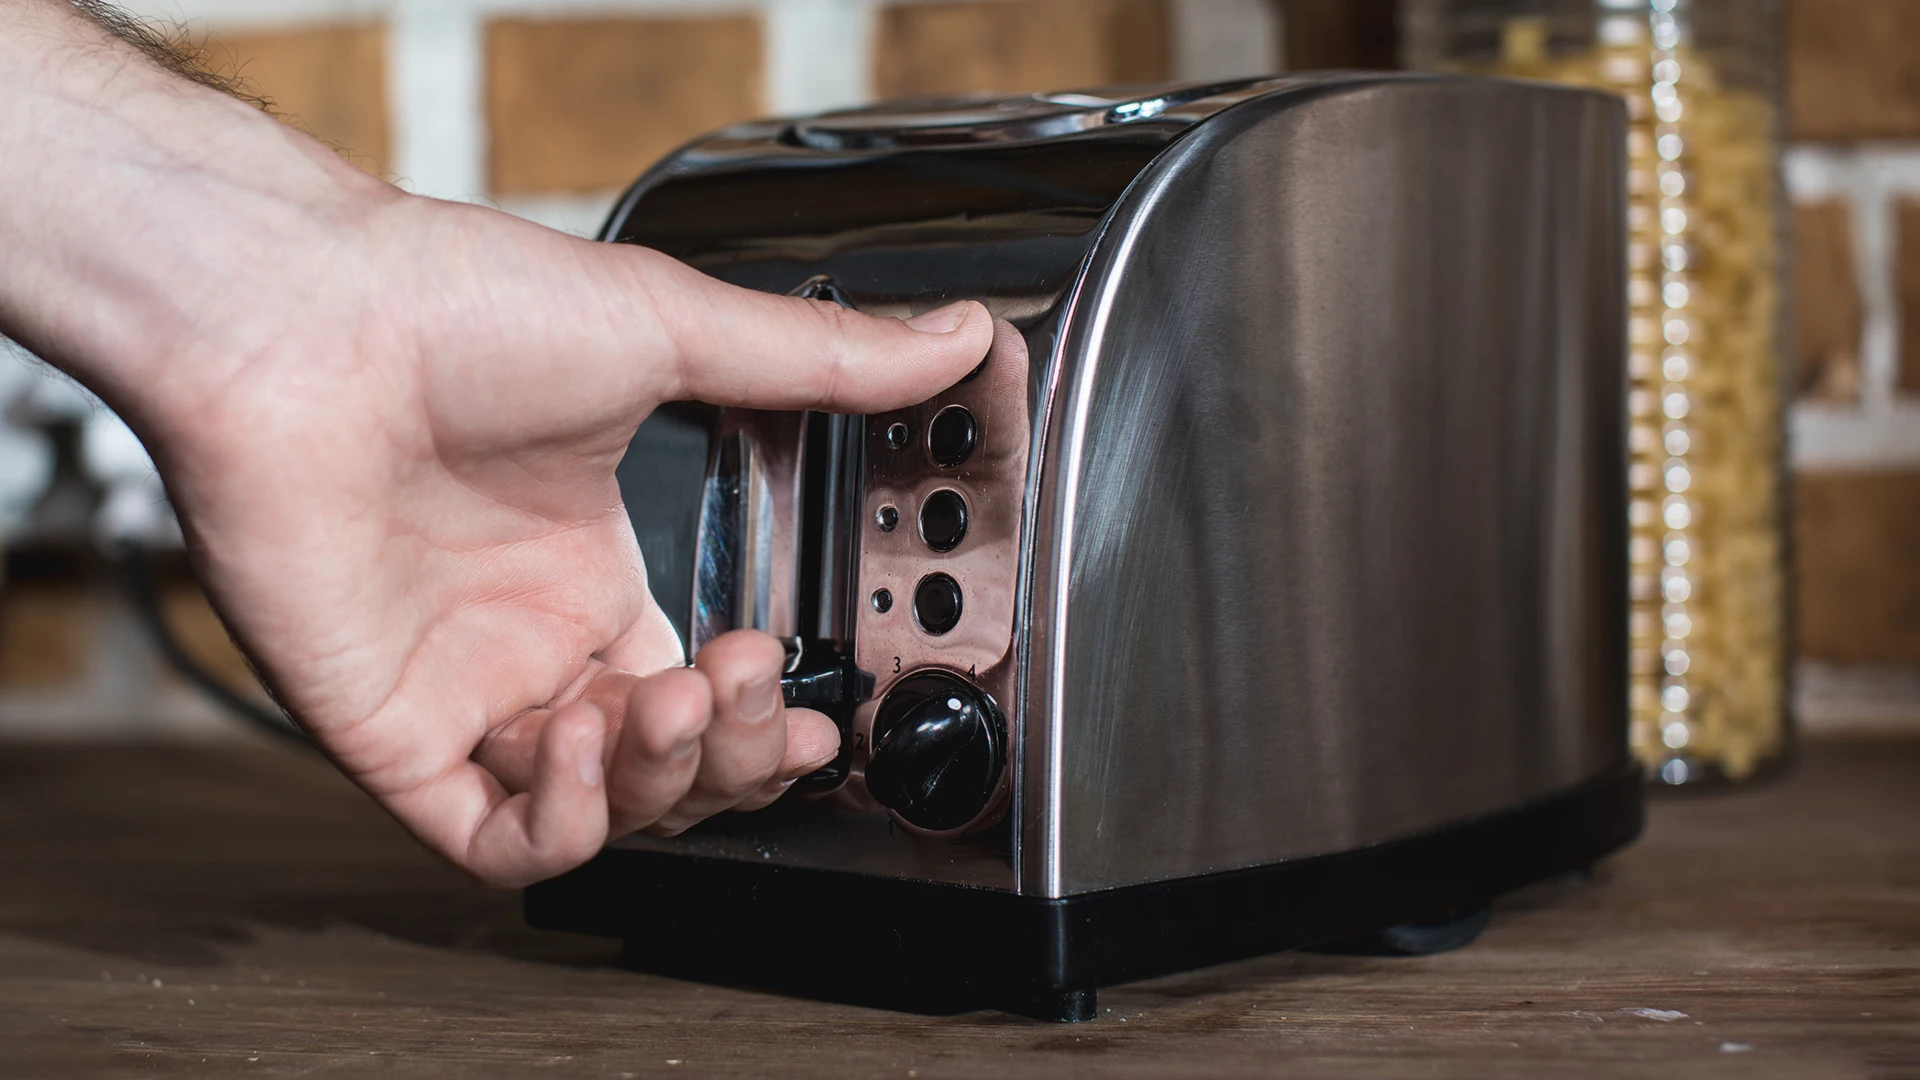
[
  {"x": 223, "y": 910},
  {"x": 586, "y": 103}
]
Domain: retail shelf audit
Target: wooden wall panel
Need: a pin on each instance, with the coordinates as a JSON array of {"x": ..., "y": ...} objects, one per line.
[
  {"x": 1340, "y": 34},
  {"x": 1013, "y": 46},
  {"x": 581, "y": 105},
  {"x": 1857, "y": 540},
  {"x": 46, "y": 635},
  {"x": 1853, "y": 69},
  {"x": 329, "y": 81}
]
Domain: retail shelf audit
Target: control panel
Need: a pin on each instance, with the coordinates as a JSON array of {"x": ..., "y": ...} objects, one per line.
[
  {"x": 938, "y": 567},
  {"x": 884, "y": 551}
]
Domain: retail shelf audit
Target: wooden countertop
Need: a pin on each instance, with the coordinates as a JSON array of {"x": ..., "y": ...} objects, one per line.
[{"x": 230, "y": 910}]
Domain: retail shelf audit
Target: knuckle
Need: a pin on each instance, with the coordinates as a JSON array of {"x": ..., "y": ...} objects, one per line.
[{"x": 840, "y": 324}]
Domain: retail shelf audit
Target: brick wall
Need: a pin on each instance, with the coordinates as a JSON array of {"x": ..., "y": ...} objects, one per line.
[
  {"x": 547, "y": 107},
  {"x": 990, "y": 45},
  {"x": 329, "y": 80},
  {"x": 1853, "y": 172},
  {"x": 585, "y": 104}
]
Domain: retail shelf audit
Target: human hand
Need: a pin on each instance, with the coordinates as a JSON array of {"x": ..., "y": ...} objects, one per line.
[
  {"x": 389, "y": 426},
  {"x": 405, "y": 506}
]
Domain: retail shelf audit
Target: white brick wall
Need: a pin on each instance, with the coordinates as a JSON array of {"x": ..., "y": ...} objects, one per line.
[{"x": 818, "y": 55}]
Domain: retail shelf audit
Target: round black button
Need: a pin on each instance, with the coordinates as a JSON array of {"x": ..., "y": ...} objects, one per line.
[
  {"x": 896, "y": 435},
  {"x": 943, "y": 520},
  {"x": 887, "y": 518},
  {"x": 952, "y": 436},
  {"x": 936, "y": 603}
]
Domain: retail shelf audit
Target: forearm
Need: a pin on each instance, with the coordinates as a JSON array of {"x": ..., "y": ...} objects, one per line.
[{"x": 139, "y": 211}]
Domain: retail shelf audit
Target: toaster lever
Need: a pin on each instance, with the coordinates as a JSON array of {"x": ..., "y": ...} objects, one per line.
[
  {"x": 827, "y": 687},
  {"x": 826, "y": 680}
]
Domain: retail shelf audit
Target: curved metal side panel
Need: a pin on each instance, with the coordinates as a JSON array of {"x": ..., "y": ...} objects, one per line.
[{"x": 1337, "y": 464}]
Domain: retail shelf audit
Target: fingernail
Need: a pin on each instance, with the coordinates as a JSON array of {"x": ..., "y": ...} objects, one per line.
[
  {"x": 942, "y": 320},
  {"x": 587, "y": 761},
  {"x": 758, "y": 699}
]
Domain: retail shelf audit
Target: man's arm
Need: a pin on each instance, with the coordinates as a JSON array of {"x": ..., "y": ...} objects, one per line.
[{"x": 389, "y": 426}]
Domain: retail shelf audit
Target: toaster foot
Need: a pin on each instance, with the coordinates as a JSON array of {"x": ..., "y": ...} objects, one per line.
[
  {"x": 1060, "y": 1007},
  {"x": 1423, "y": 938}
]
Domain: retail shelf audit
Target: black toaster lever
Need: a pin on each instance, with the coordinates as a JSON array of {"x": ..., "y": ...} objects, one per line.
[
  {"x": 825, "y": 679},
  {"x": 827, "y": 687}
]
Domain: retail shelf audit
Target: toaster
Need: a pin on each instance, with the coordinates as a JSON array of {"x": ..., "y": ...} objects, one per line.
[{"x": 1264, "y": 587}]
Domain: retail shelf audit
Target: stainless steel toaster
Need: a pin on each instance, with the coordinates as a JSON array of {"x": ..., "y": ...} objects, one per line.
[{"x": 1265, "y": 586}]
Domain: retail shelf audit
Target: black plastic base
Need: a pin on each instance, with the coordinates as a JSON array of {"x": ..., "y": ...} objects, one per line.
[{"x": 924, "y": 946}]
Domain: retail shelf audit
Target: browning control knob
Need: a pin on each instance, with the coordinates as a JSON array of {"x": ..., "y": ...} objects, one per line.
[{"x": 939, "y": 748}]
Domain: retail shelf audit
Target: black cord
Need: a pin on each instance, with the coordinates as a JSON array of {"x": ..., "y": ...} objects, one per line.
[{"x": 137, "y": 572}]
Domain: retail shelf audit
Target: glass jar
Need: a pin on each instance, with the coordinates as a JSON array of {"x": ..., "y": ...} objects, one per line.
[{"x": 1707, "y": 376}]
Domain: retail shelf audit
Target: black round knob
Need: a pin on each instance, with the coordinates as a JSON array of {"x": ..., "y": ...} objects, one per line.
[{"x": 939, "y": 748}]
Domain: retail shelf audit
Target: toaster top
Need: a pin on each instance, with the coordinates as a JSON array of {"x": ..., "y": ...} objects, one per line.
[{"x": 907, "y": 174}]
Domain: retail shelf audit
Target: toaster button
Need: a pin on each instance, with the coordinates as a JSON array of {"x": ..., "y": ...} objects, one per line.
[
  {"x": 936, "y": 603},
  {"x": 943, "y": 520},
  {"x": 952, "y": 436}
]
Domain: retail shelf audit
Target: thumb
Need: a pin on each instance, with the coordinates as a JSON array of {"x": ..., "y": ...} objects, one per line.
[{"x": 735, "y": 346}]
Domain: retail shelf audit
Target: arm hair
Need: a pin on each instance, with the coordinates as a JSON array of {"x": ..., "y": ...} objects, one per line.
[{"x": 171, "y": 48}]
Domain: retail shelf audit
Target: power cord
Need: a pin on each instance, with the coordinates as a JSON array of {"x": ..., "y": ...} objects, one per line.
[{"x": 136, "y": 566}]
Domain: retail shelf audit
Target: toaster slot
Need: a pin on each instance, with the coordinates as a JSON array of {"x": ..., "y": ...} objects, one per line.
[
  {"x": 778, "y": 553},
  {"x": 830, "y": 503},
  {"x": 822, "y": 675}
]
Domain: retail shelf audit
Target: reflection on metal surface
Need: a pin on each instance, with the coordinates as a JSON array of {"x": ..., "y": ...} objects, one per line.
[
  {"x": 1339, "y": 503},
  {"x": 988, "y": 119},
  {"x": 1296, "y": 519},
  {"x": 748, "y": 571},
  {"x": 821, "y": 835},
  {"x": 775, "y": 554}
]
